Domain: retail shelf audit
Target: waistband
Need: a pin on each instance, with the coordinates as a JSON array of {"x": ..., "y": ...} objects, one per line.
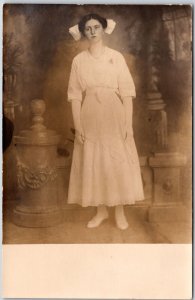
[{"x": 101, "y": 92}]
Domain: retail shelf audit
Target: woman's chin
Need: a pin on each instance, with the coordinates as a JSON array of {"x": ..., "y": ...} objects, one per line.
[{"x": 94, "y": 40}]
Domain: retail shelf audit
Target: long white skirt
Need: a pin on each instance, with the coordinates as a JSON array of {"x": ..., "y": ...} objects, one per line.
[{"x": 105, "y": 169}]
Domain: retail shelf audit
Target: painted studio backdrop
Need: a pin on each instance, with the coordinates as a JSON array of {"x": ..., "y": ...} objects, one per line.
[{"x": 156, "y": 42}]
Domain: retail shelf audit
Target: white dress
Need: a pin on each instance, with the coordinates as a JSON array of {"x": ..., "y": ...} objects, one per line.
[{"x": 105, "y": 169}]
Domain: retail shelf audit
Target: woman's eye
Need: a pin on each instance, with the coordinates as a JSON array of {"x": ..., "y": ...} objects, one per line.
[{"x": 96, "y": 27}]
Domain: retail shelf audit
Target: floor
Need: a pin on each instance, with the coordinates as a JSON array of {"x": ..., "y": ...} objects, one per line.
[{"x": 74, "y": 230}]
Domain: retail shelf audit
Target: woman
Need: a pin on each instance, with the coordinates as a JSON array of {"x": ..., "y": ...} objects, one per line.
[{"x": 105, "y": 167}]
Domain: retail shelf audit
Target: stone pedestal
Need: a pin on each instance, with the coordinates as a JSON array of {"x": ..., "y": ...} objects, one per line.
[
  {"x": 37, "y": 174},
  {"x": 167, "y": 204}
]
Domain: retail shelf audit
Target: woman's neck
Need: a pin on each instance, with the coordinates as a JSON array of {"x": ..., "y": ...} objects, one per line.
[{"x": 97, "y": 49}]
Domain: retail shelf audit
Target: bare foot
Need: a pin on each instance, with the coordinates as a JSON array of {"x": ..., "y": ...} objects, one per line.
[
  {"x": 102, "y": 214},
  {"x": 120, "y": 218}
]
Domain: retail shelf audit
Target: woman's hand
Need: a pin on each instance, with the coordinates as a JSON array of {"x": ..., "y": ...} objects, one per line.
[
  {"x": 79, "y": 135},
  {"x": 128, "y": 106},
  {"x": 76, "y": 111},
  {"x": 129, "y": 132}
]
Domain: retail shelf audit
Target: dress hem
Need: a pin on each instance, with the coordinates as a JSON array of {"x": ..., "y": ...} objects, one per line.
[{"x": 105, "y": 204}]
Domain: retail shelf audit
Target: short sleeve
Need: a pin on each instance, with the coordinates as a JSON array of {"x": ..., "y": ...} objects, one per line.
[
  {"x": 74, "y": 86},
  {"x": 125, "y": 80}
]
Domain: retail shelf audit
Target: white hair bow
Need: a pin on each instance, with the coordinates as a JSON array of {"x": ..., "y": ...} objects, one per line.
[
  {"x": 74, "y": 30},
  {"x": 110, "y": 26}
]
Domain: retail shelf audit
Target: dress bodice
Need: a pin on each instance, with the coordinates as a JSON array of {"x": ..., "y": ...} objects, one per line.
[{"x": 108, "y": 71}]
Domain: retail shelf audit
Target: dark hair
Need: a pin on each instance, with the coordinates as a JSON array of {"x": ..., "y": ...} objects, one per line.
[{"x": 86, "y": 18}]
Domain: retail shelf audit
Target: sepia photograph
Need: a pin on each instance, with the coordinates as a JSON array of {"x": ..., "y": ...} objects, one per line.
[{"x": 97, "y": 124}]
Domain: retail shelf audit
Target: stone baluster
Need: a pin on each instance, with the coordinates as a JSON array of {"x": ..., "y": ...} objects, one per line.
[{"x": 37, "y": 173}]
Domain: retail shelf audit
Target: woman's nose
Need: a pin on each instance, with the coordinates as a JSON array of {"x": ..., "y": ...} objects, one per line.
[{"x": 92, "y": 30}]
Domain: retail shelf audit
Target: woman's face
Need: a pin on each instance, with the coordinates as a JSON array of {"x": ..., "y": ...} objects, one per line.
[{"x": 93, "y": 30}]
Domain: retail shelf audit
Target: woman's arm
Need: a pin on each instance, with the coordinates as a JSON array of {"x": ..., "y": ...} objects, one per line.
[
  {"x": 127, "y": 92},
  {"x": 76, "y": 112},
  {"x": 128, "y": 104}
]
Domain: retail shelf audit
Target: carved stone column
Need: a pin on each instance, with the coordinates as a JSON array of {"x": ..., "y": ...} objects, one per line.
[
  {"x": 36, "y": 153},
  {"x": 166, "y": 165},
  {"x": 156, "y": 105}
]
